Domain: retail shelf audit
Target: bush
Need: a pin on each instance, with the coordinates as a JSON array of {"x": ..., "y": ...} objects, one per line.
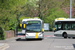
[
  {"x": 19, "y": 29},
  {"x": 50, "y": 28},
  {"x": 2, "y": 34}
]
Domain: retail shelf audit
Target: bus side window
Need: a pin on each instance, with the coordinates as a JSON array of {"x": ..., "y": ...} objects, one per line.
[
  {"x": 73, "y": 26},
  {"x": 68, "y": 26},
  {"x": 65, "y": 26}
]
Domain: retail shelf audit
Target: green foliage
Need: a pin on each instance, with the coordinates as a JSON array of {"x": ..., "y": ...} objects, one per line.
[
  {"x": 30, "y": 9},
  {"x": 9, "y": 4},
  {"x": 2, "y": 34},
  {"x": 54, "y": 13},
  {"x": 9, "y": 10},
  {"x": 32, "y": 3},
  {"x": 50, "y": 29},
  {"x": 7, "y": 20},
  {"x": 51, "y": 9},
  {"x": 19, "y": 29},
  {"x": 13, "y": 23},
  {"x": 12, "y": 12},
  {"x": 23, "y": 17}
]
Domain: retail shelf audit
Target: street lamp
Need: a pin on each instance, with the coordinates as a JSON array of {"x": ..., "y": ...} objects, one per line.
[
  {"x": 39, "y": 8},
  {"x": 70, "y": 8}
]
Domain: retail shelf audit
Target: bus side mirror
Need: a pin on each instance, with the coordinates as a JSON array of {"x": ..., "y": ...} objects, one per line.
[
  {"x": 24, "y": 26},
  {"x": 43, "y": 30},
  {"x": 20, "y": 25}
]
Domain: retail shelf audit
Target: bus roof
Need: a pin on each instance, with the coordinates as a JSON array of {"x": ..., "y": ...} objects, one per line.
[
  {"x": 64, "y": 19},
  {"x": 30, "y": 19}
]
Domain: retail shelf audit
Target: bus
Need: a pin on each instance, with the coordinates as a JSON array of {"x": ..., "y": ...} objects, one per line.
[
  {"x": 33, "y": 28},
  {"x": 64, "y": 27}
]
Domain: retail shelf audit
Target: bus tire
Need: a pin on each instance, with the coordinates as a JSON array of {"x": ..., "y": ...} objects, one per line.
[
  {"x": 41, "y": 38},
  {"x": 69, "y": 37},
  {"x": 27, "y": 39},
  {"x": 65, "y": 35},
  {"x": 73, "y": 37}
]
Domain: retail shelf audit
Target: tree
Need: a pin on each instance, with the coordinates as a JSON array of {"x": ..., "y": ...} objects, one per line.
[
  {"x": 8, "y": 12},
  {"x": 51, "y": 9}
]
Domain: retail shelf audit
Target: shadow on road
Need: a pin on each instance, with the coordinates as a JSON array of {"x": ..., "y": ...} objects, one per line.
[
  {"x": 19, "y": 39},
  {"x": 73, "y": 37},
  {"x": 74, "y": 45}
]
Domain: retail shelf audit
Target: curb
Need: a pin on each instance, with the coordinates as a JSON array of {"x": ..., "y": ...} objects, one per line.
[{"x": 4, "y": 46}]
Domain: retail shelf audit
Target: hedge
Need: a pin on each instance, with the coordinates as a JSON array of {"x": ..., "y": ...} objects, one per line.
[{"x": 2, "y": 34}]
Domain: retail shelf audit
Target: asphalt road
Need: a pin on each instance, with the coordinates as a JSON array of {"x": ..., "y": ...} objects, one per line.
[{"x": 50, "y": 42}]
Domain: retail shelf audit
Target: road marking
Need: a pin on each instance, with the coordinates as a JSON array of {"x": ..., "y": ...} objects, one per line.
[{"x": 5, "y": 46}]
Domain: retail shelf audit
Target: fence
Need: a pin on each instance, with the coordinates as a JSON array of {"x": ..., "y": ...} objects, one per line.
[{"x": 9, "y": 34}]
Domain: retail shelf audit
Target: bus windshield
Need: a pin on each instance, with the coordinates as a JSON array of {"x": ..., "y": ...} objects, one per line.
[
  {"x": 66, "y": 25},
  {"x": 33, "y": 26}
]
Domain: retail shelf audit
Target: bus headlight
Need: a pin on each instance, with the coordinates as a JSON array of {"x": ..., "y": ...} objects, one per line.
[{"x": 40, "y": 34}]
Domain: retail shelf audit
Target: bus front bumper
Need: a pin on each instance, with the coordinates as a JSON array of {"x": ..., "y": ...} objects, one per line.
[{"x": 33, "y": 37}]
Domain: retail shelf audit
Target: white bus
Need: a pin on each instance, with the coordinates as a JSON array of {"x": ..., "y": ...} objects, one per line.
[
  {"x": 65, "y": 27},
  {"x": 33, "y": 28}
]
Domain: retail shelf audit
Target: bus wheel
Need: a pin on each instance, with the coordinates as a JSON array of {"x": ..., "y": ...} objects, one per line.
[
  {"x": 73, "y": 37},
  {"x": 65, "y": 35},
  {"x": 27, "y": 39},
  {"x": 41, "y": 38}
]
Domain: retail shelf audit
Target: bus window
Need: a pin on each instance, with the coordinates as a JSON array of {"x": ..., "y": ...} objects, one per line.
[
  {"x": 73, "y": 26},
  {"x": 59, "y": 26},
  {"x": 67, "y": 27}
]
